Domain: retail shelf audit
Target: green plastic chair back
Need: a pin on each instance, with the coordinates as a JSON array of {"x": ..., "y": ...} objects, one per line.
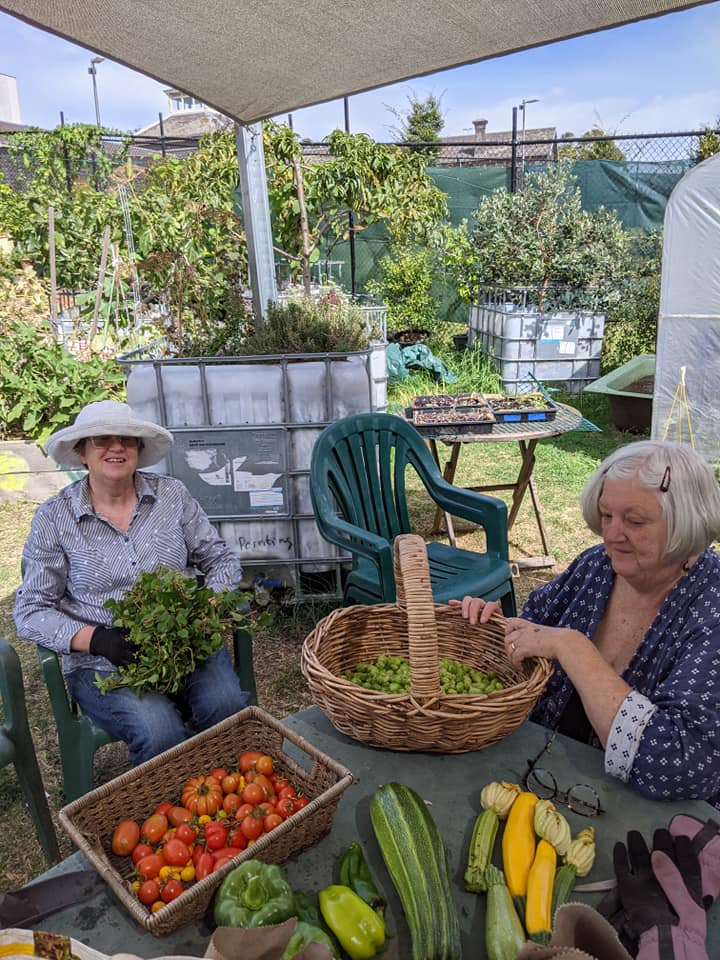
[
  {"x": 16, "y": 747},
  {"x": 79, "y": 737},
  {"x": 357, "y": 484}
]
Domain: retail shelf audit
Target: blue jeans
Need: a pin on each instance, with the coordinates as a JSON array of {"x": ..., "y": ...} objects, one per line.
[{"x": 152, "y": 722}]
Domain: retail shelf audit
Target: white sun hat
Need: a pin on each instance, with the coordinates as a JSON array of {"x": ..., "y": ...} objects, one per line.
[{"x": 108, "y": 417}]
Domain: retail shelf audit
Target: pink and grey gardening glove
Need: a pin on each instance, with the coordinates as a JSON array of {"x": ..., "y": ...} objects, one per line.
[
  {"x": 706, "y": 844},
  {"x": 677, "y": 871}
]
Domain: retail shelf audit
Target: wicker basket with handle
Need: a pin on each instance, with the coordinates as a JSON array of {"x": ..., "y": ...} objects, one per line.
[
  {"x": 90, "y": 820},
  {"x": 424, "y": 632}
]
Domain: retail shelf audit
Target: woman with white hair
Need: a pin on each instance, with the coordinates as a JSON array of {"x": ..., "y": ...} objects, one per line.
[
  {"x": 633, "y": 624},
  {"x": 89, "y": 544}
]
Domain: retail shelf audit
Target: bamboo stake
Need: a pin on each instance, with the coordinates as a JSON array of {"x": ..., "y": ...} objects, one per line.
[
  {"x": 53, "y": 274},
  {"x": 101, "y": 280}
]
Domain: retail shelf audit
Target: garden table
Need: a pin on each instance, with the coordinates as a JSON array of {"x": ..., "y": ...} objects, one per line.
[
  {"x": 451, "y": 786},
  {"x": 526, "y": 435}
]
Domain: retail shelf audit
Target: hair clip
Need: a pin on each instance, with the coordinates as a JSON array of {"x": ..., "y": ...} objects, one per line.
[{"x": 665, "y": 482}]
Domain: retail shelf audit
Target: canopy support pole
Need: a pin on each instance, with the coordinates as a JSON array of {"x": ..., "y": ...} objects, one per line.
[{"x": 256, "y": 215}]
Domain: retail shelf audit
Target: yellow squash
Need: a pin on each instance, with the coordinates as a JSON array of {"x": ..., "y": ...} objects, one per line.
[
  {"x": 518, "y": 843},
  {"x": 538, "y": 912}
]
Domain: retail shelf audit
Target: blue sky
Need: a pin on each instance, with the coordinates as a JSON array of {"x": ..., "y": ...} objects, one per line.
[{"x": 660, "y": 75}]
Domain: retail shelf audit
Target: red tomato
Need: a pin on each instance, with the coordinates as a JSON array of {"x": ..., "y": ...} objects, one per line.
[
  {"x": 178, "y": 815},
  {"x": 153, "y": 828},
  {"x": 163, "y": 808},
  {"x": 252, "y": 827},
  {"x": 271, "y": 821},
  {"x": 264, "y": 809},
  {"x": 243, "y": 810},
  {"x": 186, "y": 833},
  {"x": 225, "y": 856},
  {"x": 219, "y": 773},
  {"x": 262, "y": 781},
  {"x": 264, "y": 765},
  {"x": 216, "y": 839},
  {"x": 301, "y": 801},
  {"x": 248, "y": 760},
  {"x": 204, "y": 866},
  {"x": 176, "y": 853},
  {"x": 140, "y": 851},
  {"x": 125, "y": 838},
  {"x": 171, "y": 891},
  {"x": 236, "y": 838},
  {"x": 148, "y": 892},
  {"x": 253, "y": 793},
  {"x": 231, "y": 802},
  {"x": 168, "y": 835},
  {"x": 150, "y": 866},
  {"x": 286, "y": 807},
  {"x": 279, "y": 782},
  {"x": 287, "y": 792}
]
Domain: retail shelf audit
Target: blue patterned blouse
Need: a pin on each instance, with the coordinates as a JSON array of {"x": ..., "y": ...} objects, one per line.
[
  {"x": 74, "y": 560},
  {"x": 665, "y": 738}
]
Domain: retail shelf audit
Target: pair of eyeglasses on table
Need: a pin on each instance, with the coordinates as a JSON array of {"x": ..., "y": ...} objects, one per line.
[{"x": 540, "y": 780}]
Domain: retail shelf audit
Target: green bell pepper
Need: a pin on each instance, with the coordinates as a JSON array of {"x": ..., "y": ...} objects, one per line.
[
  {"x": 254, "y": 894},
  {"x": 307, "y": 933},
  {"x": 355, "y": 873},
  {"x": 359, "y": 929}
]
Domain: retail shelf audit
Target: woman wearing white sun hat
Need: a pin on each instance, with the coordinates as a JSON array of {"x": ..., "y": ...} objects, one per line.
[{"x": 89, "y": 543}]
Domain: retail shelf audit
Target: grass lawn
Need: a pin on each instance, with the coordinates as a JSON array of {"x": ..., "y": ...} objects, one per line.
[{"x": 563, "y": 465}]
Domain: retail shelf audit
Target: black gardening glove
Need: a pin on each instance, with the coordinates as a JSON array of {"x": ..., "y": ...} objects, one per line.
[
  {"x": 638, "y": 902},
  {"x": 113, "y": 644}
]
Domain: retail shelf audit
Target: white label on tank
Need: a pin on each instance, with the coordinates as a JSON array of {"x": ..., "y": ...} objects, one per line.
[
  {"x": 553, "y": 331},
  {"x": 266, "y": 498},
  {"x": 568, "y": 346}
]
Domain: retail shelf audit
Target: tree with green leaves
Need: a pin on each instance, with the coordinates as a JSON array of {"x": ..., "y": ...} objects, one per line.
[
  {"x": 311, "y": 200},
  {"x": 709, "y": 142},
  {"x": 421, "y": 122},
  {"x": 542, "y": 238},
  {"x": 604, "y": 149}
]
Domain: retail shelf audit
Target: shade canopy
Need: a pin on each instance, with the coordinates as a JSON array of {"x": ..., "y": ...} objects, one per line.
[{"x": 252, "y": 59}]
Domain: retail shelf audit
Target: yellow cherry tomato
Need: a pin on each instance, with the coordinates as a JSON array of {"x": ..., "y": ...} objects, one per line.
[
  {"x": 187, "y": 873},
  {"x": 204, "y": 819},
  {"x": 158, "y": 905}
]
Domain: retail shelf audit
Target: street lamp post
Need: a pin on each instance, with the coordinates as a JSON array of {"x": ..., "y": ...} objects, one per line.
[
  {"x": 92, "y": 70},
  {"x": 523, "y": 104}
]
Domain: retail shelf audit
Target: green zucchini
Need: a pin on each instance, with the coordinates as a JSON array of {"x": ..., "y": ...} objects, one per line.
[
  {"x": 504, "y": 933},
  {"x": 564, "y": 882},
  {"x": 481, "y": 848},
  {"x": 416, "y": 859}
]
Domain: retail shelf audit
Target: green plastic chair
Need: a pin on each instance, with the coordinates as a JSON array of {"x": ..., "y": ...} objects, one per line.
[
  {"x": 79, "y": 737},
  {"x": 357, "y": 484},
  {"x": 16, "y": 747}
]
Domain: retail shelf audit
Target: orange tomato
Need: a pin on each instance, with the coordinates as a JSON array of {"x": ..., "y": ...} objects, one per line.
[
  {"x": 125, "y": 838},
  {"x": 264, "y": 765},
  {"x": 253, "y": 793},
  {"x": 231, "y": 802},
  {"x": 219, "y": 773},
  {"x": 153, "y": 828},
  {"x": 202, "y": 795},
  {"x": 230, "y": 783},
  {"x": 262, "y": 781}
]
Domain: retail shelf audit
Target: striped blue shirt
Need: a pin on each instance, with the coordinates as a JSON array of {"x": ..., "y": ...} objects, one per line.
[{"x": 74, "y": 559}]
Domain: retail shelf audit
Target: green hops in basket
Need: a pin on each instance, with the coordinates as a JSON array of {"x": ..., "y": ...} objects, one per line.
[{"x": 390, "y": 674}]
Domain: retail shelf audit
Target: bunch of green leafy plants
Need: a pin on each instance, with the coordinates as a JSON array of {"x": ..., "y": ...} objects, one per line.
[
  {"x": 631, "y": 327},
  {"x": 176, "y": 624},
  {"x": 474, "y": 369},
  {"x": 329, "y": 324},
  {"x": 405, "y": 285},
  {"x": 44, "y": 386}
]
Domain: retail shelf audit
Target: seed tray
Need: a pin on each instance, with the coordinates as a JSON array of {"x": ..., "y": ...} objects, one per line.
[
  {"x": 517, "y": 410},
  {"x": 451, "y": 423},
  {"x": 449, "y": 401}
]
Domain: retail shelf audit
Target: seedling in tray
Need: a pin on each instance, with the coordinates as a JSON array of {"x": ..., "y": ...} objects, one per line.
[
  {"x": 447, "y": 401},
  {"x": 480, "y": 414}
]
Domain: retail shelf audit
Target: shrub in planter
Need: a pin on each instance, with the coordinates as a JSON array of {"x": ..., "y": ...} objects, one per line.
[
  {"x": 540, "y": 237},
  {"x": 632, "y": 321}
]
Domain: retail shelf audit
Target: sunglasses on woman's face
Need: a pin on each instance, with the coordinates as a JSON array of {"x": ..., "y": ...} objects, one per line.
[
  {"x": 580, "y": 798},
  {"x": 108, "y": 439}
]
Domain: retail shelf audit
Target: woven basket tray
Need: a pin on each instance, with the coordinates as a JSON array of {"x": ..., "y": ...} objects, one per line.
[
  {"x": 91, "y": 819},
  {"x": 425, "y": 632}
]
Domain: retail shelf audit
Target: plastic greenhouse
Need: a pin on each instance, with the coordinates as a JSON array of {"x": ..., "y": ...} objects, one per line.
[{"x": 689, "y": 319}]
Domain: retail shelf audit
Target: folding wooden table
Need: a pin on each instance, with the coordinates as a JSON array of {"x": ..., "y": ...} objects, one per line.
[{"x": 526, "y": 435}]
